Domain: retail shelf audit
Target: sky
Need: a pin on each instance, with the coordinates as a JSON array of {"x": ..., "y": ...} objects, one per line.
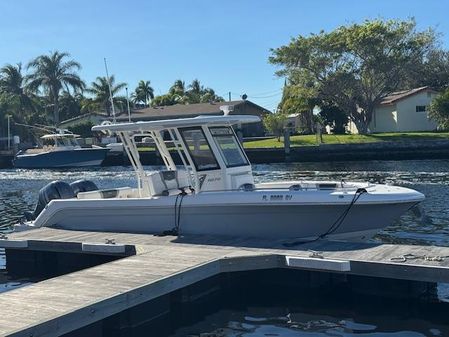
[{"x": 224, "y": 44}]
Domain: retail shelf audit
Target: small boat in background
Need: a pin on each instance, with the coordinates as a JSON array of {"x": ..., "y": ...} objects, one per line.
[{"x": 60, "y": 150}]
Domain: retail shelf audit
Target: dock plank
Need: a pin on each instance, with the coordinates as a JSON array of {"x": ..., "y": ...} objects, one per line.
[{"x": 163, "y": 264}]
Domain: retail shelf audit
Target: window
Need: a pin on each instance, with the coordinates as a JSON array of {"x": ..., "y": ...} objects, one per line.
[
  {"x": 229, "y": 146},
  {"x": 421, "y": 108},
  {"x": 199, "y": 149}
]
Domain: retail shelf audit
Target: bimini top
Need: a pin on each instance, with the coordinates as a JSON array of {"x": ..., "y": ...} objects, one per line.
[{"x": 178, "y": 123}]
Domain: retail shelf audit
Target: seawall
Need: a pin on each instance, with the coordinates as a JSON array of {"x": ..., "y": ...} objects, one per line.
[{"x": 410, "y": 150}]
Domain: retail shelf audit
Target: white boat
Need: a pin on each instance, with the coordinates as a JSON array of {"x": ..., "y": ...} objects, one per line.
[
  {"x": 60, "y": 150},
  {"x": 213, "y": 192}
]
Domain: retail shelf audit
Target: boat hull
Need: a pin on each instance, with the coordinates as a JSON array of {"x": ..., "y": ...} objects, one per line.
[
  {"x": 288, "y": 216},
  {"x": 62, "y": 159}
]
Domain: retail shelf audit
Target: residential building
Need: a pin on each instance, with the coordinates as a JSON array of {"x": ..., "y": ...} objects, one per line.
[
  {"x": 403, "y": 111},
  {"x": 241, "y": 107}
]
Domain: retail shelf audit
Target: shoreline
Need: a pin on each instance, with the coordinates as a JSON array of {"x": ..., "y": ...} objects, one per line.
[
  {"x": 325, "y": 152},
  {"x": 409, "y": 150}
]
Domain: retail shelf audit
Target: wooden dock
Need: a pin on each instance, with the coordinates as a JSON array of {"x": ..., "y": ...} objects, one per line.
[{"x": 152, "y": 266}]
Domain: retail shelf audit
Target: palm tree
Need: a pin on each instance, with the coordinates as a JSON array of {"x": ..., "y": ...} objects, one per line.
[
  {"x": 100, "y": 90},
  {"x": 13, "y": 88},
  {"x": 178, "y": 88},
  {"x": 209, "y": 95},
  {"x": 196, "y": 87},
  {"x": 144, "y": 92},
  {"x": 53, "y": 74}
]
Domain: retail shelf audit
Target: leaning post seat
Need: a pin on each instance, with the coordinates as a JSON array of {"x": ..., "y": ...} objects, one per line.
[
  {"x": 167, "y": 182},
  {"x": 121, "y": 193}
]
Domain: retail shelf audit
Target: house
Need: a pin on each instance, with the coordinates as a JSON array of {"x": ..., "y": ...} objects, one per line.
[
  {"x": 403, "y": 111},
  {"x": 241, "y": 107}
]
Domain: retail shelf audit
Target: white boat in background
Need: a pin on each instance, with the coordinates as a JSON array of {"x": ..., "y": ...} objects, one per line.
[
  {"x": 213, "y": 192},
  {"x": 60, "y": 149}
]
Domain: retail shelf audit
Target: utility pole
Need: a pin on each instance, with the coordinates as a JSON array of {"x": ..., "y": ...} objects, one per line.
[
  {"x": 230, "y": 96},
  {"x": 127, "y": 102}
]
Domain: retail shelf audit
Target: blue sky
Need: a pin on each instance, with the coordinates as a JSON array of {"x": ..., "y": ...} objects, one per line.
[{"x": 225, "y": 44}]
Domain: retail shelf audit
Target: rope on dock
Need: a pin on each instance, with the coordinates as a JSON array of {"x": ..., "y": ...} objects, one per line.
[{"x": 411, "y": 257}]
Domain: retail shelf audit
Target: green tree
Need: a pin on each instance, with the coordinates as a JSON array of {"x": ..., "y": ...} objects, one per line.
[
  {"x": 439, "y": 110},
  {"x": 333, "y": 116},
  {"x": 300, "y": 97},
  {"x": 15, "y": 92},
  {"x": 434, "y": 72},
  {"x": 53, "y": 74},
  {"x": 177, "y": 94},
  {"x": 100, "y": 90},
  {"x": 274, "y": 123},
  {"x": 143, "y": 93},
  {"x": 209, "y": 95},
  {"x": 164, "y": 100},
  {"x": 70, "y": 105},
  {"x": 356, "y": 66}
]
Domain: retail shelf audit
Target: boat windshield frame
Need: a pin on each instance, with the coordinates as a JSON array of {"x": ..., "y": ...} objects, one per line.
[
  {"x": 194, "y": 156},
  {"x": 238, "y": 146},
  {"x": 127, "y": 132}
]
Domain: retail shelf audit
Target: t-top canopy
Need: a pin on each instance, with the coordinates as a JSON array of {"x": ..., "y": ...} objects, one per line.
[{"x": 178, "y": 123}]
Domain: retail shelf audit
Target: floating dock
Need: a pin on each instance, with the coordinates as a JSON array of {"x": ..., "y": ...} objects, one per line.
[{"x": 128, "y": 270}]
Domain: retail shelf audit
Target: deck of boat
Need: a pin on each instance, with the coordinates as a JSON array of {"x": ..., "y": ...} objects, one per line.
[{"x": 153, "y": 266}]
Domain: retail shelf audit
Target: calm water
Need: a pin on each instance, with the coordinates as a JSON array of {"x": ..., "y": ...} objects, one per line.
[
  {"x": 427, "y": 225},
  {"x": 289, "y": 313}
]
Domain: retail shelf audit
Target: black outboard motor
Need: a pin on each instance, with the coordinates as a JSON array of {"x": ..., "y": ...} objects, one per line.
[
  {"x": 53, "y": 190},
  {"x": 83, "y": 186}
]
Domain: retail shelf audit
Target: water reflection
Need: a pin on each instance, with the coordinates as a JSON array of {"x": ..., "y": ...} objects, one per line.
[{"x": 331, "y": 313}]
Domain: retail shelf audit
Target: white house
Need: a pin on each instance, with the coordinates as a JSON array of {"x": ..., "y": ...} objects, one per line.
[{"x": 403, "y": 111}]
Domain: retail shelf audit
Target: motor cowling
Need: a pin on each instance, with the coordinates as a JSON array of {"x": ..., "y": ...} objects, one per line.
[
  {"x": 83, "y": 186},
  {"x": 51, "y": 191}
]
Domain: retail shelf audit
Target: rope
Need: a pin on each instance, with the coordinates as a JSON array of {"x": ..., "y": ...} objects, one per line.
[
  {"x": 178, "y": 211},
  {"x": 175, "y": 230},
  {"x": 342, "y": 217},
  {"x": 337, "y": 223},
  {"x": 411, "y": 257}
]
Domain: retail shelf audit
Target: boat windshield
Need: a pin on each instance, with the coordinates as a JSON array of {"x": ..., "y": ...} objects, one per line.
[
  {"x": 229, "y": 146},
  {"x": 199, "y": 149},
  {"x": 60, "y": 141},
  {"x": 63, "y": 141}
]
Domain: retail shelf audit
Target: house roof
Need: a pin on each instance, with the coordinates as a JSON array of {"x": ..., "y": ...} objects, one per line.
[
  {"x": 185, "y": 110},
  {"x": 83, "y": 117},
  {"x": 398, "y": 95}
]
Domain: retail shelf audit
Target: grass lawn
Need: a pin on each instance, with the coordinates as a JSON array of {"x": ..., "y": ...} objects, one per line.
[{"x": 304, "y": 140}]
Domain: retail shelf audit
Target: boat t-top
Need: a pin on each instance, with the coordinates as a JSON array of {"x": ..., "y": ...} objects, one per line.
[
  {"x": 60, "y": 149},
  {"x": 207, "y": 187}
]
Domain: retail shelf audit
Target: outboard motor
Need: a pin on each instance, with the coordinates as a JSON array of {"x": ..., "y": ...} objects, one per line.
[
  {"x": 53, "y": 190},
  {"x": 83, "y": 186}
]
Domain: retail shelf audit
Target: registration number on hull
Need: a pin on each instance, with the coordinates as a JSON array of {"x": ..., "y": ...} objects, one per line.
[{"x": 277, "y": 197}]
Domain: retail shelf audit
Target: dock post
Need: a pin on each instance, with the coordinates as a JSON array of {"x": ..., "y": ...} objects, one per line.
[{"x": 287, "y": 144}]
